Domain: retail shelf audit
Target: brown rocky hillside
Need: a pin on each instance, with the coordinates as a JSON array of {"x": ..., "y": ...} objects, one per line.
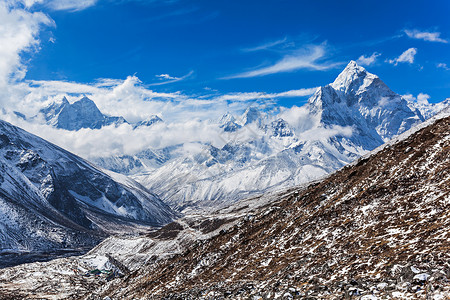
[{"x": 377, "y": 228}]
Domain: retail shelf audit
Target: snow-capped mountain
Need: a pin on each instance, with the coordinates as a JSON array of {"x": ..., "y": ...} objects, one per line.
[
  {"x": 51, "y": 198},
  {"x": 376, "y": 229},
  {"x": 427, "y": 109},
  {"x": 228, "y": 123},
  {"x": 262, "y": 150},
  {"x": 148, "y": 122},
  {"x": 341, "y": 121},
  {"x": 80, "y": 114}
]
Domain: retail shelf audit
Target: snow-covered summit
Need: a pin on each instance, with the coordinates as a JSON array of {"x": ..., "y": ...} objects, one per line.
[
  {"x": 426, "y": 109},
  {"x": 153, "y": 119},
  {"x": 227, "y": 117},
  {"x": 362, "y": 100},
  {"x": 352, "y": 75},
  {"x": 251, "y": 115},
  {"x": 80, "y": 114},
  {"x": 228, "y": 123}
]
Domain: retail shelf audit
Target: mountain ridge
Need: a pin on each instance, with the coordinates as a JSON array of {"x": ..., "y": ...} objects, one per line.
[{"x": 42, "y": 181}]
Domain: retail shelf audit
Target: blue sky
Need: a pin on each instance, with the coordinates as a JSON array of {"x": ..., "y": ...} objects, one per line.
[
  {"x": 200, "y": 47},
  {"x": 190, "y": 61}
]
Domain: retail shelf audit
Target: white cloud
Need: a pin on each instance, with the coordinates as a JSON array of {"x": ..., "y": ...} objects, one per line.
[
  {"x": 166, "y": 76},
  {"x": 123, "y": 140},
  {"x": 187, "y": 119},
  {"x": 425, "y": 35},
  {"x": 299, "y": 118},
  {"x": 266, "y": 46},
  {"x": 420, "y": 99},
  {"x": 30, "y": 3},
  {"x": 443, "y": 66},
  {"x": 70, "y": 5},
  {"x": 369, "y": 60},
  {"x": 19, "y": 29},
  {"x": 321, "y": 133},
  {"x": 135, "y": 101},
  {"x": 307, "y": 126},
  {"x": 405, "y": 57},
  {"x": 259, "y": 95},
  {"x": 303, "y": 59},
  {"x": 170, "y": 79},
  {"x": 423, "y": 98}
]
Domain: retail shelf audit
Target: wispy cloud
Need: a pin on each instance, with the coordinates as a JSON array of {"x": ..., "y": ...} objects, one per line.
[
  {"x": 405, "y": 57},
  {"x": 167, "y": 77},
  {"x": 307, "y": 58},
  {"x": 425, "y": 35},
  {"x": 260, "y": 95},
  {"x": 368, "y": 60},
  {"x": 70, "y": 5},
  {"x": 266, "y": 46},
  {"x": 170, "y": 79}
]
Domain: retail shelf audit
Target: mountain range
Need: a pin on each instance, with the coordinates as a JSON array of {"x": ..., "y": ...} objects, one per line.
[
  {"x": 375, "y": 229},
  {"x": 51, "y": 199},
  {"x": 340, "y": 122},
  {"x": 263, "y": 150},
  {"x": 48, "y": 187},
  {"x": 84, "y": 113}
]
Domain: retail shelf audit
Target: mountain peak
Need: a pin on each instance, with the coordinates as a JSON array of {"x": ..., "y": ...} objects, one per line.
[
  {"x": 83, "y": 113},
  {"x": 86, "y": 102},
  {"x": 149, "y": 121},
  {"x": 85, "y": 99},
  {"x": 251, "y": 115},
  {"x": 64, "y": 100},
  {"x": 351, "y": 75},
  {"x": 227, "y": 117}
]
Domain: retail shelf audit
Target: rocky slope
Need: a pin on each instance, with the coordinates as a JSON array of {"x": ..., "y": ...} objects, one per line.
[
  {"x": 376, "y": 229},
  {"x": 50, "y": 199}
]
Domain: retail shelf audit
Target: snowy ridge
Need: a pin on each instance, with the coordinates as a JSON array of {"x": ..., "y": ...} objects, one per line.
[{"x": 60, "y": 199}]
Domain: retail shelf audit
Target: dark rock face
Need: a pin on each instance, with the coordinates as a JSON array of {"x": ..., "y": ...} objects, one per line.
[{"x": 379, "y": 226}]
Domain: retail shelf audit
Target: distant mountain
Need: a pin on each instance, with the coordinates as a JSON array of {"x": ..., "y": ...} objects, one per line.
[
  {"x": 341, "y": 121},
  {"x": 228, "y": 123},
  {"x": 148, "y": 122},
  {"x": 252, "y": 115},
  {"x": 52, "y": 199},
  {"x": 345, "y": 119},
  {"x": 80, "y": 114},
  {"x": 429, "y": 109}
]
